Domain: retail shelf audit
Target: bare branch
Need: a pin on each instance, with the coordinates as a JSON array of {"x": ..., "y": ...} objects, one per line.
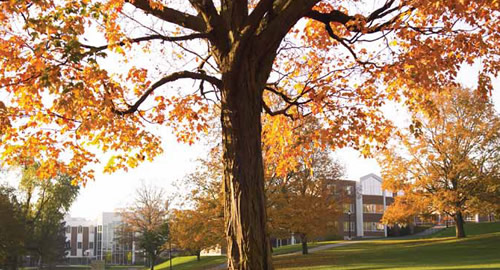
[
  {"x": 146, "y": 38},
  {"x": 170, "y": 78}
]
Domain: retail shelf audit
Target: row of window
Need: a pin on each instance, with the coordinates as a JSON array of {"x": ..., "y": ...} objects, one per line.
[
  {"x": 373, "y": 227},
  {"x": 367, "y": 208},
  {"x": 367, "y": 226},
  {"x": 373, "y": 208},
  {"x": 80, "y": 229},
  {"x": 80, "y": 246}
]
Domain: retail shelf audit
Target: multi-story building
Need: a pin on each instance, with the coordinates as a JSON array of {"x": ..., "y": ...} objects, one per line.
[
  {"x": 81, "y": 236},
  {"x": 364, "y": 205},
  {"x": 100, "y": 240}
]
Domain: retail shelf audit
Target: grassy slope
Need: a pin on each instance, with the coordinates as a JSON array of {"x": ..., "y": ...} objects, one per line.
[
  {"x": 481, "y": 250},
  {"x": 190, "y": 262}
]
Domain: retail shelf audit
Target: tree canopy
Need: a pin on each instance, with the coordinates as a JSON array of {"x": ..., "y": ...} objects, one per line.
[
  {"x": 449, "y": 164},
  {"x": 33, "y": 219},
  {"x": 336, "y": 60}
]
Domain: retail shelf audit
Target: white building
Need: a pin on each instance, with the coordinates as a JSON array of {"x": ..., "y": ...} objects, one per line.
[{"x": 98, "y": 240}]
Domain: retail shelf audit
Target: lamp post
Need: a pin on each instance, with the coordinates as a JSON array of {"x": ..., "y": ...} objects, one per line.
[
  {"x": 349, "y": 215},
  {"x": 170, "y": 252}
]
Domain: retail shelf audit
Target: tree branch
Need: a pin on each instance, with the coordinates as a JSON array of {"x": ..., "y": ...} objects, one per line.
[
  {"x": 146, "y": 38},
  {"x": 169, "y": 78},
  {"x": 171, "y": 15}
]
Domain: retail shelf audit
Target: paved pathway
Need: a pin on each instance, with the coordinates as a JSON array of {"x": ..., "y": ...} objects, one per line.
[
  {"x": 311, "y": 250},
  {"x": 319, "y": 248},
  {"x": 431, "y": 230}
]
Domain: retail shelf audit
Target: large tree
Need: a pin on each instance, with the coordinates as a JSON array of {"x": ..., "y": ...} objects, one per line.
[
  {"x": 449, "y": 163},
  {"x": 283, "y": 57}
]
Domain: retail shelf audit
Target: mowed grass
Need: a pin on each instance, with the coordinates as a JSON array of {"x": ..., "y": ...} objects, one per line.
[
  {"x": 190, "y": 262},
  {"x": 480, "y": 250},
  {"x": 471, "y": 229},
  {"x": 298, "y": 247},
  {"x": 207, "y": 262}
]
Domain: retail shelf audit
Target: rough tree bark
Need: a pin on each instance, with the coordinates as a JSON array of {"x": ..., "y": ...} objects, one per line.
[
  {"x": 243, "y": 78},
  {"x": 459, "y": 225}
]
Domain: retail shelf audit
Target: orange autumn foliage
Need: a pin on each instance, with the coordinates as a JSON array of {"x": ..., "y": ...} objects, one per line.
[
  {"x": 82, "y": 77},
  {"x": 448, "y": 163}
]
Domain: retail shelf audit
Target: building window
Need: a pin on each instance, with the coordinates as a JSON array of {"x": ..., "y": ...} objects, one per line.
[
  {"x": 348, "y": 207},
  {"x": 68, "y": 229},
  {"x": 470, "y": 217},
  {"x": 373, "y": 208},
  {"x": 347, "y": 228},
  {"x": 373, "y": 227},
  {"x": 99, "y": 228},
  {"x": 348, "y": 190},
  {"x": 79, "y": 245},
  {"x": 80, "y": 229},
  {"x": 91, "y": 245}
]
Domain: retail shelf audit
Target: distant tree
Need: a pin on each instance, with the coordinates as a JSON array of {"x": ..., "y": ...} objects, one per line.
[
  {"x": 449, "y": 161},
  {"x": 12, "y": 228},
  {"x": 202, "y": 225},
  {"x": 147, "y": 219},
  {"x": 32, "y": 218},
  {"x": 304, "y": 200},
  {"x": 45, "y": 204}
]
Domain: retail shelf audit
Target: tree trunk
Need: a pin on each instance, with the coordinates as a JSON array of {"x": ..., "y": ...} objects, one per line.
[
  {"x": 244, "y": 207},
  {"x": 303, "y": 239},
  {"x": 459, "y": 225},
  {"x": 198, "y": 255},
  {"x": 153, "y": 259}
]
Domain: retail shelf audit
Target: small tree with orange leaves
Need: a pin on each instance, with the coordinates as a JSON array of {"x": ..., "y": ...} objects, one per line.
[{"x": 201, "y": 226}]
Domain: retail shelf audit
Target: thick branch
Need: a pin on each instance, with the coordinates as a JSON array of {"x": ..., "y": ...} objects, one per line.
[
  {"x": 287, "y": 15},
  {"x": 171, "y": 15},
  {"x": 342, "y": 18},
  {"x": 214, "y": 22},
  {"x": 234, "y": 13},
  {"x": 170, "y": 78},
  {"x": 327, "y": 18}
]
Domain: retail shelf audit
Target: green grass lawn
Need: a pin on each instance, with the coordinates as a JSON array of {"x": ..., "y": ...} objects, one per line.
[
  {"x": 480, "y": 250},
  {"x": 190, "y": 262},
  {"x": 298, "y": 247},
  {"x": 471, "y": 229}
]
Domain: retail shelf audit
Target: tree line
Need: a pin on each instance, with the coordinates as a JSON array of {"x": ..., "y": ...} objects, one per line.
[{"x": 32, "y": 220}]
